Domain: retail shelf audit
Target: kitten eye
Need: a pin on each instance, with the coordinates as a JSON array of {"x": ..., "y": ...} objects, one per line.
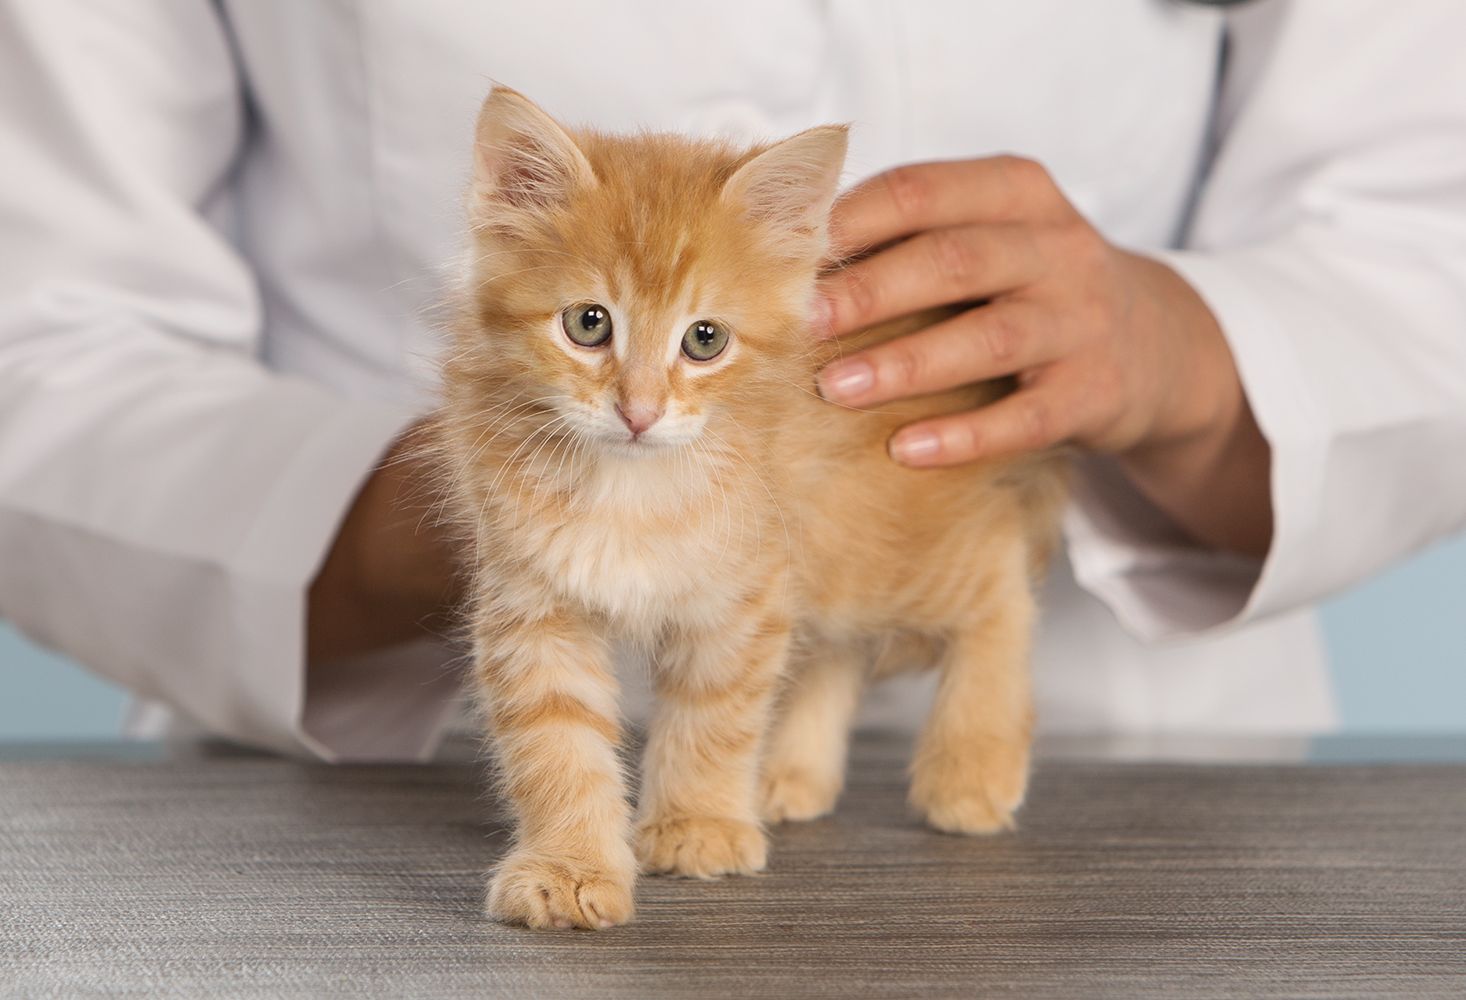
[
  {"x": 704, "y": 340},
  {"x": 587, "y": 324}
]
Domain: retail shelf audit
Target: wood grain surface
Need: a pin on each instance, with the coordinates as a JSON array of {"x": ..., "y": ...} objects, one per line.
[{"x": 257, "y": 877}]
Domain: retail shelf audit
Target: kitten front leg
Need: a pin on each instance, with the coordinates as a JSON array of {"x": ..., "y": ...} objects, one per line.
[
  {"x": 970, "y": 771},
  {"x": 804, "y": 765},
  {"x": 699, "y": 810},
  {"x": 551, "y": 699}
]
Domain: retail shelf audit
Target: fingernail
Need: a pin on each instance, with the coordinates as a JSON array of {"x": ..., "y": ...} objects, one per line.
[
  {"x": 821, "y": 316},
  {"x": 846, "y": 380},
  {"x": 915, "y": 447}
]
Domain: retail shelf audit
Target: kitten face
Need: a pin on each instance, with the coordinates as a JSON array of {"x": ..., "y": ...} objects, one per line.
[
  {"x": 639, "y": 372},
  {"x": 642, "y": 293}
]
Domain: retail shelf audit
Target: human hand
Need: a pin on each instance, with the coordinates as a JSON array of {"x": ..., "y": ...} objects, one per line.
[{"x": 1113, "y": 351}]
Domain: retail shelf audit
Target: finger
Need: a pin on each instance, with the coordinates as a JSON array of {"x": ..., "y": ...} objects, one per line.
[
  {"x": 920, "y": 196},
  {"x": 935, "y": 268},
  {"x": 982, "y": 343},
  {"x": 1028, "y": 420}
]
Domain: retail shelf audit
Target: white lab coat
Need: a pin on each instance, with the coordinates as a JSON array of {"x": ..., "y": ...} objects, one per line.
[{"x": 223, "y": 227}]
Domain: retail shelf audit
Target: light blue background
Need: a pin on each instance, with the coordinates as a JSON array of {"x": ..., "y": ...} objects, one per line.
[{"x": 1398, "y": 646}]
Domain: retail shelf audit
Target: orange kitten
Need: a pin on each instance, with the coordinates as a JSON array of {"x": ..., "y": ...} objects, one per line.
[{"x": 637, "y": 449}]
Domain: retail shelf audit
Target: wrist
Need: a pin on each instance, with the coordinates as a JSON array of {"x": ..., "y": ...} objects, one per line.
[
  {"x": 1217, "y": 486},
  {"x": 1195, "y": 387},
  {"x": 400, "y": 553},
  {"x": 1203, "y": 461},
  {"x": 389, "y": 576}
]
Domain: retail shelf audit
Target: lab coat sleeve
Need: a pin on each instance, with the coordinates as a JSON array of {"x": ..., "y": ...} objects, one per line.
[
  {"x": 164, "y": 499},
  {"x": 1330, "y": 241}
]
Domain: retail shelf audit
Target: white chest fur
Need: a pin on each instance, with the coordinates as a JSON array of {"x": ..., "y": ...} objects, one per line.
[{"x": 645, "y": 550}]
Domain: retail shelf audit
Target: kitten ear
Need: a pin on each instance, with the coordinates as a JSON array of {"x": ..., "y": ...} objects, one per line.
[
  {"x": 523, "y": 159},
  {"x": 792, "y": 184}
]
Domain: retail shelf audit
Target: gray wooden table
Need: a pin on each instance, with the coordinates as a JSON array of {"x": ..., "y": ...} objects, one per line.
[{"x": 162, "y": 874}]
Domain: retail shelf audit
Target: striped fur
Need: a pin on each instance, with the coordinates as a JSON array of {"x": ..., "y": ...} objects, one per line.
[{"x": 758, "y": 541}]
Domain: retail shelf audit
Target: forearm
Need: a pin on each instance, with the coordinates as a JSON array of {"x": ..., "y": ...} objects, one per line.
[
  {"x": 389, "y": 577},
  {"x": 1217, "y": 487},
  {"x": 1206, "y": 464}
]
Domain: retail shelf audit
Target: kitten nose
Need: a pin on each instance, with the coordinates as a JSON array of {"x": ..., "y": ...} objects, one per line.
[{"x": 638, "y": 416}]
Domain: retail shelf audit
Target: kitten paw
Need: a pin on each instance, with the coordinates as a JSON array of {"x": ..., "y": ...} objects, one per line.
[
  {"x": 970, "y": 793},
  {"x": 700, "y": 846},
  {"x": 542, "y": 891},
  {"x": 791, "y": 793}
]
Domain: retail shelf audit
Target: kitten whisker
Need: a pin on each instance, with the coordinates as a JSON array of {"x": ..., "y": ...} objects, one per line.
[
  {"x": 527, "y": 473},
  {"x": 492, "y": 491},
  {"x": 503, "y": 417}
]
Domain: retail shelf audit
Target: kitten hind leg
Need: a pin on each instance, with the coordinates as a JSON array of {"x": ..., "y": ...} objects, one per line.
[
  {"x": 970, "y": 771},
  {"x": 804, "y": 765}
]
